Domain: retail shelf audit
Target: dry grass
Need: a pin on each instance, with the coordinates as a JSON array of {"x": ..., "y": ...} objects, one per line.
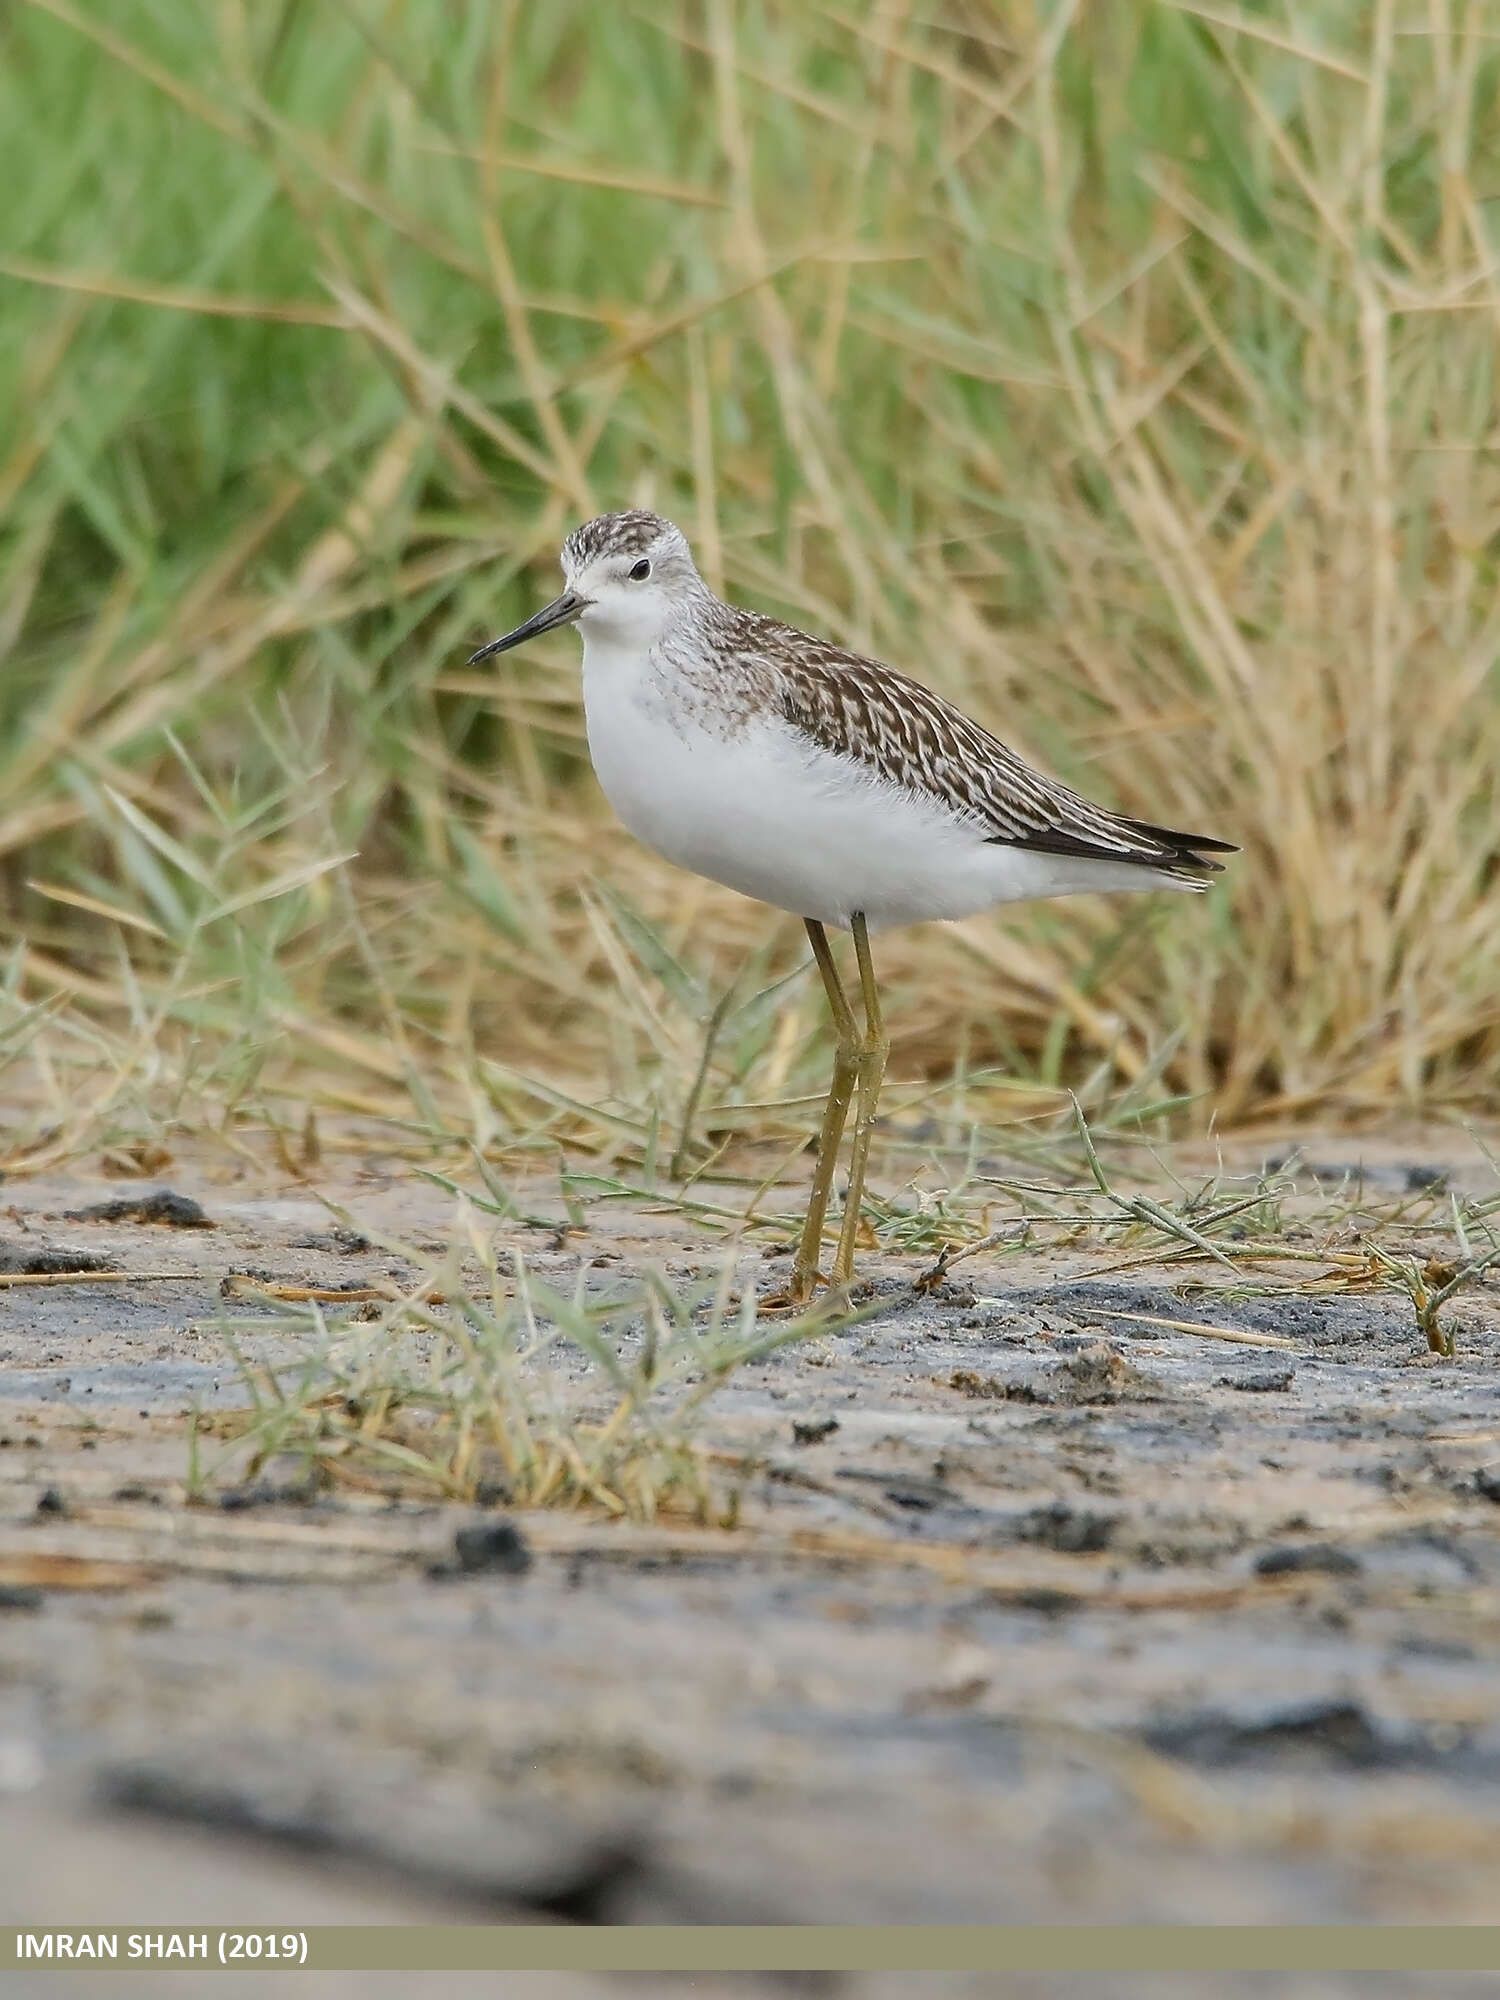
[
  {"x": 480, "y": 1381},
  {"x": 1127, "y": 372}
]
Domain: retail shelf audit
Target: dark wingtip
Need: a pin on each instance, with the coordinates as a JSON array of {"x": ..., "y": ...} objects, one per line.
[
  {"x": 1187, "y": 850},
  {"x": 1161, "y": 849},
  {"x": 1202, "y": 843}
]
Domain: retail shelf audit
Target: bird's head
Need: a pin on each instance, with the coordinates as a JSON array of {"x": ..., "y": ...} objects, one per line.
[{"x": 628, "y": 577}]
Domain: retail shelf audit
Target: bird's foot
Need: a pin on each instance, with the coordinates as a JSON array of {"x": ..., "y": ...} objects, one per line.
[
  {"x": 831, "y": 1296},
  {"x": 795, "y": 1296},
  {"x": 782, "y": 1304}
]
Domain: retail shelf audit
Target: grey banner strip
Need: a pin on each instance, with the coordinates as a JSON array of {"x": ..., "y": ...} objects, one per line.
[{"x": 772, "y": 1947}]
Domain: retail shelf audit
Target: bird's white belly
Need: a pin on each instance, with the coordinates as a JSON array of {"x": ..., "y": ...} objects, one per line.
[{"x": 765, "y": 812}]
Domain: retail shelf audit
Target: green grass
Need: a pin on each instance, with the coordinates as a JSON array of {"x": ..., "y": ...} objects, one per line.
[
  {"x": 1126, "y": 372},
  {"x": 480, "y": 1381}
]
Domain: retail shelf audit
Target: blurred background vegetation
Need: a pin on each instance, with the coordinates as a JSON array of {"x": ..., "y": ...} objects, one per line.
[{"x": 1126, "y": 371}]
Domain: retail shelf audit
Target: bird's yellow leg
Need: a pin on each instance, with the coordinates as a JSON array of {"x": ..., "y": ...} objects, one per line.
[
  {"x": 869, "y": 1074},
  {"x": 846, "y": 1059}
]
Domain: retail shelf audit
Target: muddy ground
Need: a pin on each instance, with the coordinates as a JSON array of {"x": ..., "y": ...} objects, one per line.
[{"x": 1037, "y": 1612}]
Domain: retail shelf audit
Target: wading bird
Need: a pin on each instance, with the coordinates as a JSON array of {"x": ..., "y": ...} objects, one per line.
[{"x": 825, "y": 784}]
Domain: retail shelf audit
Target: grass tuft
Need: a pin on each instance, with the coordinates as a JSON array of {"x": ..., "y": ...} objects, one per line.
[{"x": 481, "y": 1383}]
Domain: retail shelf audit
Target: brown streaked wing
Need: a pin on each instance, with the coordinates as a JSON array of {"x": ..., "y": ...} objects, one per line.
[{"x": 893, "y": 725}]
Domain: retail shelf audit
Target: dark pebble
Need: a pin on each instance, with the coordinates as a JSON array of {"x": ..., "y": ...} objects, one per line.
[
  {"x": 48, "y": 1263},
  {"x": 1316, "y": 1558},
  {"x": 52, "y": 1502},
  {"x": 1263, "y": 1382},
  {"x": 1071, "y": 1531},
  {"x": 20, "y": 1597},
  {"x": 166, "y": 1206},
  {"x": 492, "y": 1545},
  {"x": 814, "y": 1430},
  {"x": 268, "y": 1493},
  {"x": 1050, "y": 1603}
]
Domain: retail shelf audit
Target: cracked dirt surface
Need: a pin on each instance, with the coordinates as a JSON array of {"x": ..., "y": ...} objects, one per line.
[{"x": 1039, "y": 1610}]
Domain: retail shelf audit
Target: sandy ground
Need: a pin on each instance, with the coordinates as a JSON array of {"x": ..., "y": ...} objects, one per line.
[{"x": 1063, "y": 1617}]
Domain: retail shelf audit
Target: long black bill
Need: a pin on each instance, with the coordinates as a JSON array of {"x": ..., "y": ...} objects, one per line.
[{"x": 561, "y": 611}]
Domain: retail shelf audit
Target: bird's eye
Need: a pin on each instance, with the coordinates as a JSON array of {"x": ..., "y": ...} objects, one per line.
[{"x": 641, "y": 570}]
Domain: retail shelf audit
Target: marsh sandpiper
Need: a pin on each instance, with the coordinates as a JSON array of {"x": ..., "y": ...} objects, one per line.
[{"x": 824, "y": 784}]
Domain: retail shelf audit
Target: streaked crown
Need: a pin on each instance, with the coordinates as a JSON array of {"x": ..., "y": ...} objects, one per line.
[{"x": 636, "y": 532}]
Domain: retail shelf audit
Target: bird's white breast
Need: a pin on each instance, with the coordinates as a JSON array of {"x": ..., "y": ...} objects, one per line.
[{"x": 750, "y": 802}]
